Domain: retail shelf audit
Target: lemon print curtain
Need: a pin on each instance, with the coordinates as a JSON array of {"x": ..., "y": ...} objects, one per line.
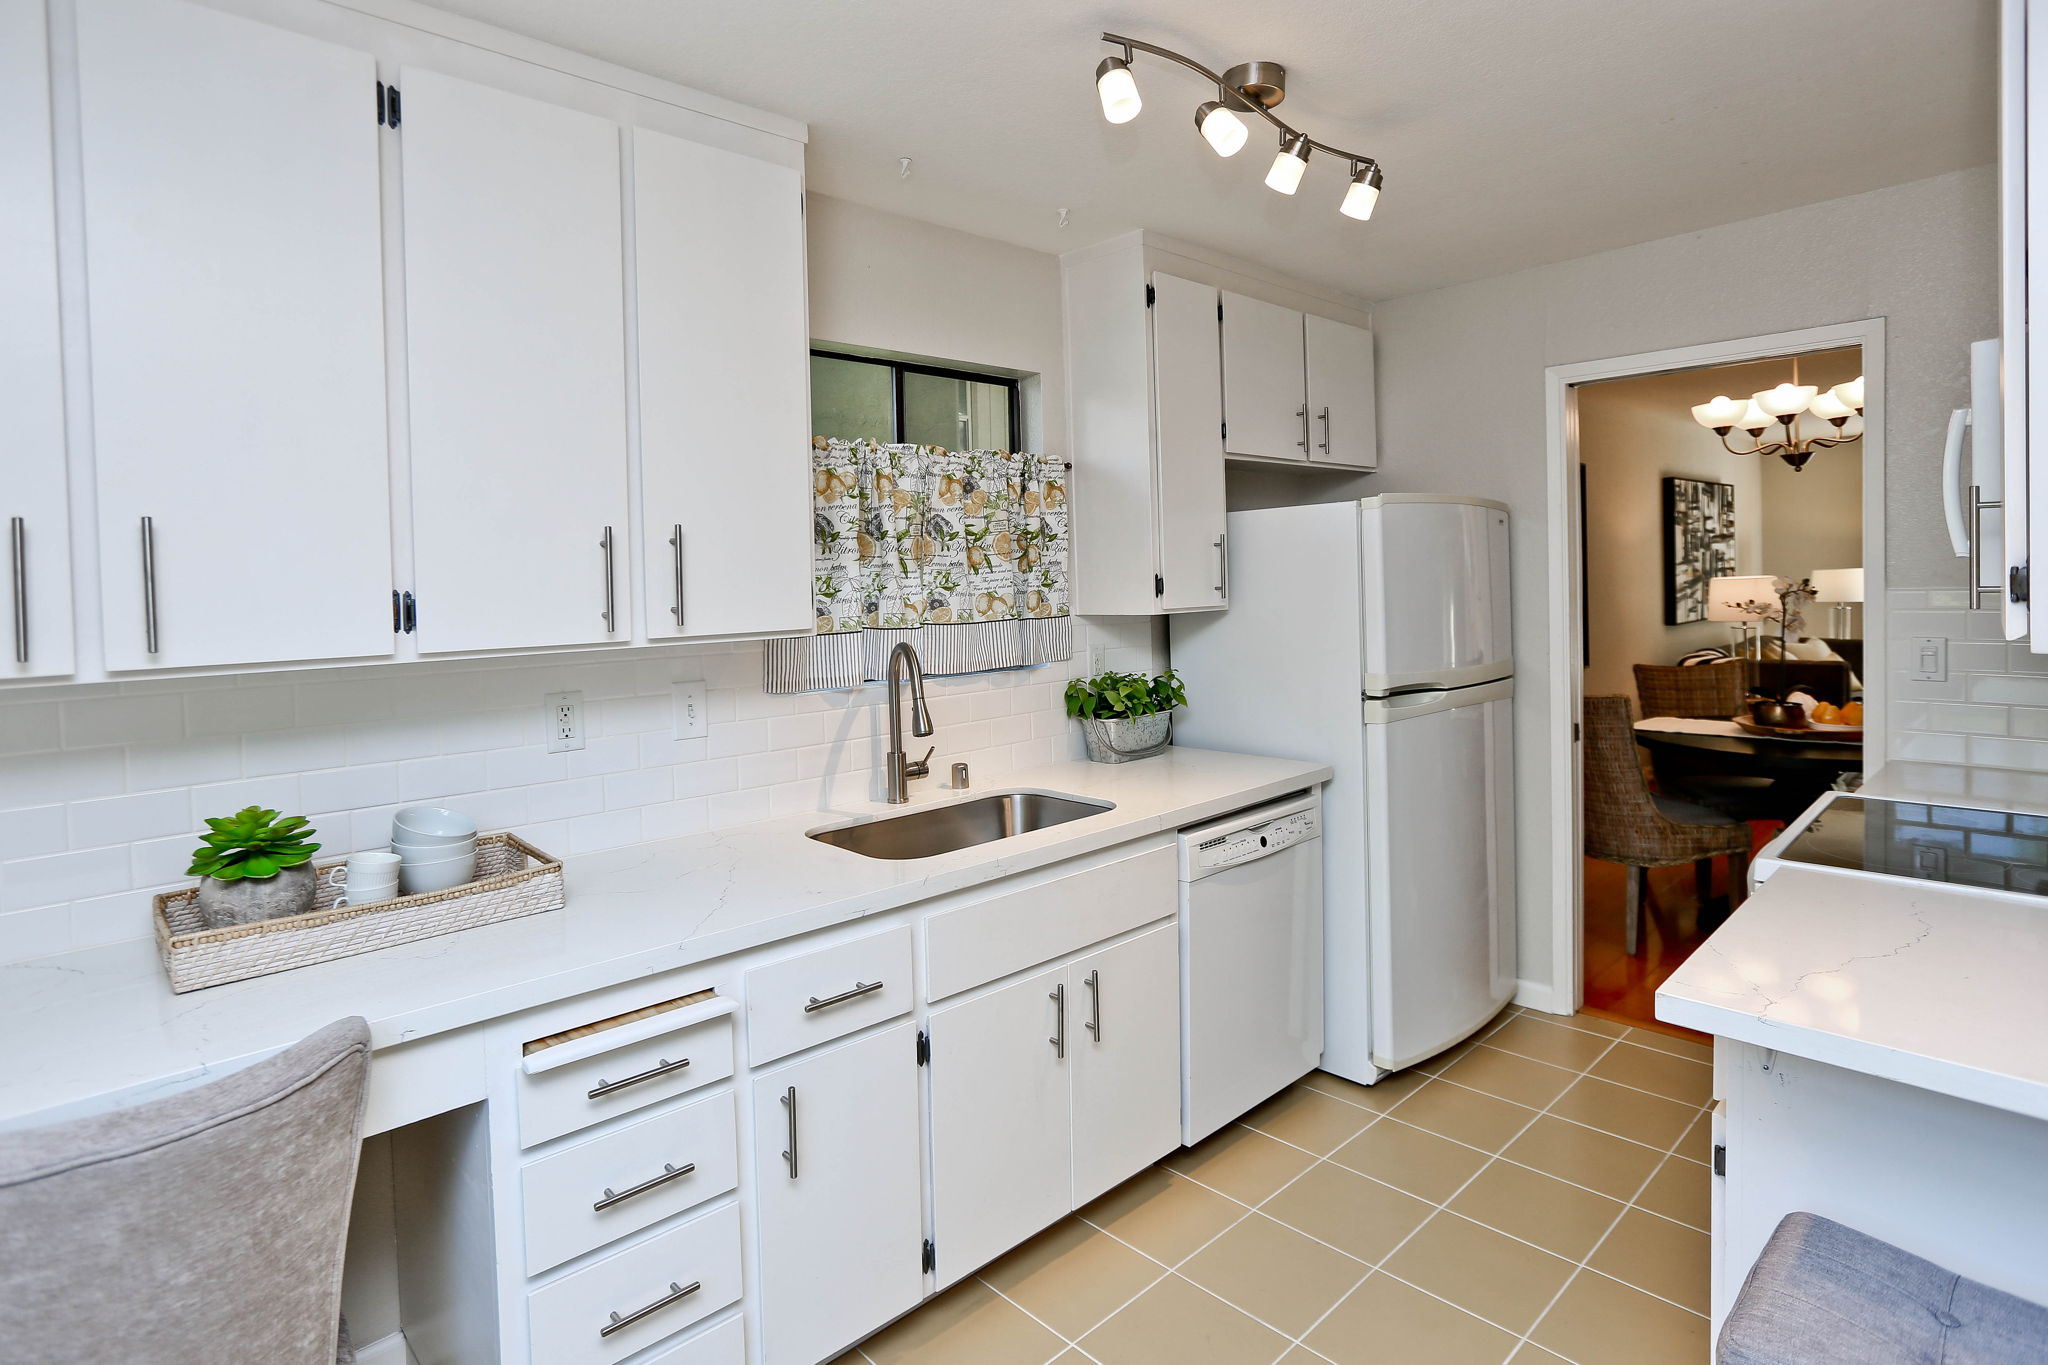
[{"x": 964, "y": 553}]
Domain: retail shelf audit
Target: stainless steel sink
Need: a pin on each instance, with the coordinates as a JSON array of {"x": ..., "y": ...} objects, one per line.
[{"x": 943, "y": 829}]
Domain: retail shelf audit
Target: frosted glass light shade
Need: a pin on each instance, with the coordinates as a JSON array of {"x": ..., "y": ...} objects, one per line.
[
  {"x": 1223, "y": 130},
  {"x": 1286, "y": 172},
  {"x": 1829, "y": 408},
  {"x": 1363, "y": 195},
  {"x": 1850, "y": 393},
  {"x": 1754, "y": 418},
  {"x": 1118, "y": 89},
  {"x": 1838, "y": 585},
  {"x": 1786, "y": 399},
  {"x": 1721, "y": 413},
  {"x": 1724, "y": 593}
]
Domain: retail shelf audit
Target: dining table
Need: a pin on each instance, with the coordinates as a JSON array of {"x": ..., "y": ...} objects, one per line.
[{"x": 1799, "y": 768}]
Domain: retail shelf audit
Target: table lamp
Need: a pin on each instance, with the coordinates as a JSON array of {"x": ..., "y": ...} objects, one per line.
[
  {"x": 1724, "y": 593},
  {"x": 1841, "y": 589}
]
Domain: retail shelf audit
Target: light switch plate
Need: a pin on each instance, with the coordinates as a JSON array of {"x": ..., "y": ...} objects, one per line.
[
  {"x": 690, "y": 720},
  {"x": 1930, "y": 658}
]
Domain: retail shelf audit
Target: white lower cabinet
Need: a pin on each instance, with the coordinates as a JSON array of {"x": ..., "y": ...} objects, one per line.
[
  {"x": 837, "y": 1200},
  {"x": 1000, "y": 1119},
  {"x": 632, "y": 1299},
  {"x": 1050, "y": 1090},
  {"x": 1126, "y": 1050}
]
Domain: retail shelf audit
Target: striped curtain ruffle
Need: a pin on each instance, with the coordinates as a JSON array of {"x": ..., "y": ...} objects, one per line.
[{"x": 964, "y": 554}]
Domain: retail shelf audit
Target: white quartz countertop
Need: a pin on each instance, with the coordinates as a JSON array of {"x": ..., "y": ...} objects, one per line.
[
  {"x": 1935, "y": 986},
  {"x": 78, "y": 1027}
]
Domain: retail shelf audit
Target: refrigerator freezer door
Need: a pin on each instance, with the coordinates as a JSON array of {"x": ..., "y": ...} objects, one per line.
[
  {"x": 1439, "y": 870},
  {"x": 1436, "y": 592}
]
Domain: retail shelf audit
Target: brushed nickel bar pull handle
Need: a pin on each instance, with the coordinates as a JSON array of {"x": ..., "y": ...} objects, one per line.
[
  {"x": 860, "y": 988},
  {"x": 669, "y": 1172},
  {"x": 1059, "y": 1036},
  {"x": 789, "y": 1107},
  {"x": 1978, "y": 507},
  {"x": 1303, "y": 415},
  {"x": 17, "y": 558},
  {"x": 660, "y": 1068},
  {"x": 604, "y": 543},
  {"x": 1222, "y": 547},
  {"x": 149, "y": 637},
  {"x": 676, "y": 1294},
  {"x": 677, "y": 541},
  {"x": 1094, "y": 985},
  {"x": 1325, "y": 447}
]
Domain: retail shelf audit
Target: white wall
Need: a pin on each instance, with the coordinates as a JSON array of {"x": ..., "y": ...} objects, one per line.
[
  {"x": 1461, "y": 375},
  {"x": 101, "y": 786}
]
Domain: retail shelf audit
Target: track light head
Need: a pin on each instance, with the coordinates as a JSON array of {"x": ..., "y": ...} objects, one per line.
[
  {"x": 1118, "y": 89},
  {"x": 1364, "y": 193},
  {"x": 1288, "y": 164},
  {"x": 1222, "y": 129}
]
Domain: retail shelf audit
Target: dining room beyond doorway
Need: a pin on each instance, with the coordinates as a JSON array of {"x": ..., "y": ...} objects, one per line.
[{"x": 1722, "y": 518}]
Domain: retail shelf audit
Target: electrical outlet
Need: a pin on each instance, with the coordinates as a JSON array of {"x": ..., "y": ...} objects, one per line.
[
  {"x": 691, "y": 721},
  {"x": 565, "y": 721},
  {"x": 1098, "y": 659}
]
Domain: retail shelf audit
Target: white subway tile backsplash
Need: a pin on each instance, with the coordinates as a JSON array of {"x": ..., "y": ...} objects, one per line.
[
  {"x": 767, "y": 769},
  {"x": 61, "y": 877},
  {"x": 292, "y": 751},
  {"x": 429, "y": 779},
  {"x": 35, "y": 933},
  {"x": 607, "y": 754},
  {"x": 640, "y": 787},
  {"x": 606, "y": 829},
  {"x": 372, "y": 784},
  {"x": 183, "y": 763},
  {"x": 29, "y": 726},
  {"x": 122, "y": 720},
  {"x": 33, "y": 831},
  {"x": 239, "y": 710},
  {"x": 737, "y": 737},
  {"x": 125, "y": 819},
  {"x": 2008, "y": 690},
  {"x": 279, "y": 792},
  {"x": 565, "y": 800}
]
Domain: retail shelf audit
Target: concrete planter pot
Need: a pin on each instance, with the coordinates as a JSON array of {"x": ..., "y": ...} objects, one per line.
[
  {"x": 251, "y": 899},
  {"x": 1129, "y": 738}
]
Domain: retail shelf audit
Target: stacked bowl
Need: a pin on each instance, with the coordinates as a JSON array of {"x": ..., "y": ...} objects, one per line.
[{"x": 436, "y": 849}]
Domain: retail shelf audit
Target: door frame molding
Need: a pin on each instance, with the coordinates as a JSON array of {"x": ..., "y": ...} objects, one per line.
[{"x": 1566, "y": 625}]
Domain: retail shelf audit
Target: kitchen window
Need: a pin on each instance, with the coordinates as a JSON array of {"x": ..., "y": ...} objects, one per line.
[{"x": 856, "y": 397}]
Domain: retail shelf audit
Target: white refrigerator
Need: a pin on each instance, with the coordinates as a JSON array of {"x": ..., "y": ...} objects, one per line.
[{"x": 1373, "y": 636}]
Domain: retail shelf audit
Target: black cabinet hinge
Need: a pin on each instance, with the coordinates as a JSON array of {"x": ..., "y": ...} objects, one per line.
[
  {"x": 1158, "y": 585},
  {"x": 1219, "y": 310},
  {"x": 409, "y": 616},
  {"x": 931, "y": 1256},
  {"x": 1226, "y": 431},
  {"x": 1720, "y": 1159},
  {"x": 924, "y": 1048},
  {"x": 2017, "y": 586},
  {"x": 1151, "y": 296},
  {"x": 387, "y": 105}
]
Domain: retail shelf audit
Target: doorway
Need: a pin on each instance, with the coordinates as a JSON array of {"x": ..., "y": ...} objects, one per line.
[{"x": 1655, "y": 526}]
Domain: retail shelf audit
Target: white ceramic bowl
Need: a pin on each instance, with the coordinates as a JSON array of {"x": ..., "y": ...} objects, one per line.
[
  {"x": 431, "y": 825},
  {"x": 412, "y": 849},
  {"x": 415, "y": 878}
]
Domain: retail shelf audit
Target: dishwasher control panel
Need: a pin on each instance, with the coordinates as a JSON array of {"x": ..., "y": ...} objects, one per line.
[{"x": 1254, "y": 841}]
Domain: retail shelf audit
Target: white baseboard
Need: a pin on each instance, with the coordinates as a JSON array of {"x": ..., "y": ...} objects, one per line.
[
  {"x": 1537, "y": 995},
  {"x": 389, "y": 1350}
]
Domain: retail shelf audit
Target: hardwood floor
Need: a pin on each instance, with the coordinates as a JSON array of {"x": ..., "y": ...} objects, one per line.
[{"x": 1621, "y": 987}]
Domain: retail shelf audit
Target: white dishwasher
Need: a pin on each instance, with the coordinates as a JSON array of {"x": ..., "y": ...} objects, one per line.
[{"x": 1251, "y": 955}]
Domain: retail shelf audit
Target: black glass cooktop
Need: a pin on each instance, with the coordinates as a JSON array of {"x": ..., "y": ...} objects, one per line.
[{"x": 1984, "y": 848}]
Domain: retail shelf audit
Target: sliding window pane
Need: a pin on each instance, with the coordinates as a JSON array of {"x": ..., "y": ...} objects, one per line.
[
  {"x": 852, "y": 399},
  {"x": 959, "y": 414}
]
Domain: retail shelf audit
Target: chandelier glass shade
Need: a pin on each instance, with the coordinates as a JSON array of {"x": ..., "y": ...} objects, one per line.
[{"x": 1782, "y": 407}]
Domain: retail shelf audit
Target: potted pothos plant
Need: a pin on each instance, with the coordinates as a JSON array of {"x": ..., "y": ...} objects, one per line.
[
  {"x": 254, "y": 865},
  {"x": 1125, "y": 716}
]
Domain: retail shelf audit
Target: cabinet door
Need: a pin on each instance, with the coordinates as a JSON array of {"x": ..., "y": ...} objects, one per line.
[
  {"x": 515, "y": 348},
  {"x": 724, "y": 390},
  {"x": 840, "y": 1222},
  {"x": 1126, "y": 1049},
  {"x": 1188, "y": 412},
  {"x": 1000, "y": 1128},
  {"x": 35, "y": 533},
  {"x": 1264, "y": 384},
  {"x": 235, "y": 287},
  {"x": 1341, "y": 422}
]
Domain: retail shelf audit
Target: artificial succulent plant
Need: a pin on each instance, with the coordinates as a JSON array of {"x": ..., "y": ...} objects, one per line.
[{"x": 253, "y": 842}]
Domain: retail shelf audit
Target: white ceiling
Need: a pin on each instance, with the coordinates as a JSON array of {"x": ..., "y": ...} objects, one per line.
[{"x": 1513, "y": 132}]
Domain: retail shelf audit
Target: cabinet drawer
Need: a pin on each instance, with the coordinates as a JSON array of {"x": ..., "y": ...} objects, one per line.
[
  {"x": 992, "y": 938},
  {"x": 644, "y": 1068},
  {"x": 827, "y": 994},
  {"x": 568, "y": 1318},
  {"x": 725, "y": 1344},
  {"x": 627, "y": 1170}
]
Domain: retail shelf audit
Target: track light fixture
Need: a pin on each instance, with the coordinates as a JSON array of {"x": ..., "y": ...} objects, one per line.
[{"x": 1247, "y": 88}]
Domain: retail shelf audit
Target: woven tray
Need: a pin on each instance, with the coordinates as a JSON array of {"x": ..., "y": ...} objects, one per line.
[{"x": 513, "y": 879}]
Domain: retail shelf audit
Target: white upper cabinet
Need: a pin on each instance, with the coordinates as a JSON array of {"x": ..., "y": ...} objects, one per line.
[
  {"x": 1264, "y": 382},
  {"x": 35, "y": 532},
  {"x": 235, "y": 285},
  {"x": 1343, "y": 425},
  {"x": 725, "y": 539},
  {"x": 1192, "y": 571},
  {"x": 515, "y": 353}
]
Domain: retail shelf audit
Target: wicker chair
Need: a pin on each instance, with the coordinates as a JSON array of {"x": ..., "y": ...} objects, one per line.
[
  {"x": 1626, "y": 823},
  {"x": 1714, "y": 691}
]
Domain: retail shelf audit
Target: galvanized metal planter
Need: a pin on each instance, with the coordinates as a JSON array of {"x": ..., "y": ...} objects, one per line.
[{"x": 1128, "y": 738}]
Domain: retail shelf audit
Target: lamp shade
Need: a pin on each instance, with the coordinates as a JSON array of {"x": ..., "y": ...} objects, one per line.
[
  {"x": 1224, "y": 131},
  {"x": 1720, "y": 414},
  {"x": 1828, "y": 407},
  {"x": 1838, "y": 585},
  {"x": 1363, "y": 193},
  {"x": 1724, "y": 593},
  {"x": 1754, "y": 418},
  {"x": 1786, "y": 399},
  {"x": 1292, "y": 160},
  {"x": 1850, "y": 393},
  {"x": 1118, "y": 90}
]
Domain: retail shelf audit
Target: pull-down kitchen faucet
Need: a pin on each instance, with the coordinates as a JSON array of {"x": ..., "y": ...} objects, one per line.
[{"x": 903, "y": 663}]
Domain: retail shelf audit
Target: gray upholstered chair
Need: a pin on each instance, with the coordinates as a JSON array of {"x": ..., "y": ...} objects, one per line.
[
  {"x": 1628, "y": 824},
  {"x": 1825, "y": 1294},
  {"x": 205, "y": 1226}
]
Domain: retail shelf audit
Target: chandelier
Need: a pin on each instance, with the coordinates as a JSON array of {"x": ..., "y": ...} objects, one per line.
[
  {"x": 1782, "y": 407},
  {"x": 1248, "y": 88}
]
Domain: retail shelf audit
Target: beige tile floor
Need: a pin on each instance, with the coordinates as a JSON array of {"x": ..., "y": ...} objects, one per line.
[{"x": 1538, "y": 1194}]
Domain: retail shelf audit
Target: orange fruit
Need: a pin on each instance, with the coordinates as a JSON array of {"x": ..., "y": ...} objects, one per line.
[
  {"x": 1827, "y": 713},
  {"x": 1852, "y": 714}
]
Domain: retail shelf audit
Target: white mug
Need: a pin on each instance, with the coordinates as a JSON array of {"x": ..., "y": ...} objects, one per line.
[{"x": 366, "y": 877}]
